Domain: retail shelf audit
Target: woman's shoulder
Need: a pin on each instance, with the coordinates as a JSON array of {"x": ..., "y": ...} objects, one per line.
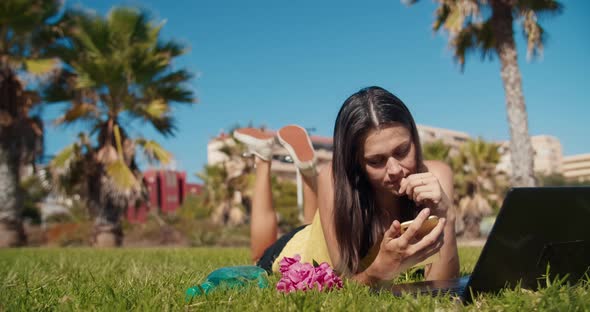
[
  {"x": 439, "y": 168},
  {"x": 443, "y": 172}
]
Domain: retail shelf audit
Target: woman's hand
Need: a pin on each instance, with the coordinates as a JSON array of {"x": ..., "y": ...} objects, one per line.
[
  {"x": 426, "y": 190},
  {"x": 398, "y": 253}
]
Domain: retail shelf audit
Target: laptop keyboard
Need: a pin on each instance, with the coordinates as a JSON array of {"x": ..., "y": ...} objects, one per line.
[
  {"x": 454, "y": 287},
  {"x": 452, "y": 291}
]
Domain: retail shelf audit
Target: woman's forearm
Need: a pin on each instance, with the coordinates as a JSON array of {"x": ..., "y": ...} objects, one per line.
[
  {"x": 374, "y": 275},
  {"x": 365, "y": 278},
  {"x": 447, "y": 265}
]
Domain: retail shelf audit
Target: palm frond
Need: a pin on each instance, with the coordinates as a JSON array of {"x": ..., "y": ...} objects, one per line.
[
  {"x": 154, "y": 151},
  {"x": 62, "y": 157},
  {"x": 534, "y": 34},
  {"x": 473, "y": 38},
  {"x": 454, "y": 20},
  {"x": 69, "y": 169},
  {"x": 454, "y": 15},
  {"x": 78, "y": 112},
  {"x": 540, "y": 7},
  {"x": 90, "y": 33},
  {"x": 172, "y": 48},
  {"x": 147, "y": 65},
  {"x": 84, "y": 80},
  {"x": 156, "y": 109},
  {"x": 157, "y": 115},
  {"x": 175, "y": 93},
  {"x": 25, "y": 34},
  {"x": 121, "y": 175},
  {"x": 118, "y": 170},
  {"x": 442, "y": 14},
  {"x": 468, "y": 32},
  {"x": 62, "y": 161},
  {"x": 118, "y": 140},
  {"x": 60, "y": 88},
  {"x": 165, "y": 125},
  {"x": 179, "y": 76},
  {"x": 41, "y": 67},
  {"x": 24, "y": 17},
  {"x": 130, "y": 25}
]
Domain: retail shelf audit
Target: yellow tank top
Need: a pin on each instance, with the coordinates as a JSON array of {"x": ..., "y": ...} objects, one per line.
[{"x": 310, "y": 244}]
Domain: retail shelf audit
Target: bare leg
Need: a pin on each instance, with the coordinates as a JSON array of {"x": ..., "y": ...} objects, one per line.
[
  {"x": 310, "y": 197},
  {"x": 297, "y": 142},
  {"x": 263, "y": 220}
]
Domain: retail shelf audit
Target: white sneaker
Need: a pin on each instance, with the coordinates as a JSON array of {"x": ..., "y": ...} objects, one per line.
[
  {"x": 295, "y": 139},
  {"x": 258, "y": 142}
]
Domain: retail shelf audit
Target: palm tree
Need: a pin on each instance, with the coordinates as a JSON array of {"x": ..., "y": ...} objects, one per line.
[
  {"x": 477, "y": 184},
  {"x": 470, "y": 31},
  {"x": 118, "y": 70},
  {"x": 225, "y": 180},
  {"x": 25, "y": 35},
  {"x": 436, "y": 150}
]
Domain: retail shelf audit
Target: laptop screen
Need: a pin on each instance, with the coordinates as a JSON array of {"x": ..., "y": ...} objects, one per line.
[{"x": 536, "y": 228}]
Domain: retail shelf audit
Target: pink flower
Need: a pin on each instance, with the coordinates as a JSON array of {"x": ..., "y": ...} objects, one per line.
[
  {"x": 303, "y": 276},
  {"x": 287, "y": 262},
  {"x": 325, "y": 277}
]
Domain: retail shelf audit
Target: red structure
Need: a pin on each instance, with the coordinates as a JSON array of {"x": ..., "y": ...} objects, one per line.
[
  {"x": 166, "y": 192},
  {"x": 193, "y": 189}
]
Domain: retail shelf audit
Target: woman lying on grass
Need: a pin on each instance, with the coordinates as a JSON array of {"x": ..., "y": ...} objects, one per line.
[{"x": 353, "y": 208}]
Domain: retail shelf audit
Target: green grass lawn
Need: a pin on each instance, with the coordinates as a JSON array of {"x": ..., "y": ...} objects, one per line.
[{"x": 156, "y": 279}]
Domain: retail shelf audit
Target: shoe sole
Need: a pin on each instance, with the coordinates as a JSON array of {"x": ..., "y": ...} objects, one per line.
[
  {"x": 251, "y": 136},
  {"x": 297, "y": 142}
]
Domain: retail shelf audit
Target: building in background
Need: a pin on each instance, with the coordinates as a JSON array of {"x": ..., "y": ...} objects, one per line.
[
  {"x": 193, "y": 189},
  {"x": 166, "y": 189},
  {"x": 452, "y": 138},
  {"x": 548, "y": 155},
  {"x": 282, "y": 165},
  {"x": 548, "y": 151},
  {"x": 577, "y": 167}
]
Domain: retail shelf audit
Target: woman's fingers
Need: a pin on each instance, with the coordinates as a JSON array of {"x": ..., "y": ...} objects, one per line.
[
  {"x": 431, "y": 238},
  {"x": 416, "y": 224},
  {"x": 422, "y": 196},
  {"x": 413, "y": 255},
  {"x": 393, "y": 231},
  {"x": 409, "y": 249},
  {"x": 409, "y": 184},
  {"x": 429, "y": 251},
  {"x": 422, "y": 188}
]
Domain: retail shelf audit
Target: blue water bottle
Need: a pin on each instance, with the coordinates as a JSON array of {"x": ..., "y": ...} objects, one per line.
[{"x": 231, "y": 277}]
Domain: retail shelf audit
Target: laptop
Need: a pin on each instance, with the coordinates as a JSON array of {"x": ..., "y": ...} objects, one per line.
[{"x": 536, "y": 227}]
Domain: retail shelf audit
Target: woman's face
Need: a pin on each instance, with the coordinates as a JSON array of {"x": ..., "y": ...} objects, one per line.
[{"x": 388, "y": 156}]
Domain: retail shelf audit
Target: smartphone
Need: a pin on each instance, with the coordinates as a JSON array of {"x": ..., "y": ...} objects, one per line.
[{"x": 427, "y": 226}]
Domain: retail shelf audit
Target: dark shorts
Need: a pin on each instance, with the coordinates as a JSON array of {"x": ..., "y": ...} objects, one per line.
[{"x": 272, "y": 252}]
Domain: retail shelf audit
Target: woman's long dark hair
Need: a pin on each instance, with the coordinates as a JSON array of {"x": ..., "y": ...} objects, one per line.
[{"x": 356, "y": 224}]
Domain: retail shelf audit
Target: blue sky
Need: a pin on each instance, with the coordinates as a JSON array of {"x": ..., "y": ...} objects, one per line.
[{"x": 276, "y": 62}]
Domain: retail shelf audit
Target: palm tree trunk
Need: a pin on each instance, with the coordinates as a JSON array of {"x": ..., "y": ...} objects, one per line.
[
  {"x": 105, "y": 204},
  {"x": 11, "y": 228},
  {"x": 521, "y": 151},
  {"x": 106, "y": 210},
  {"x": 107, "y": 231}
]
